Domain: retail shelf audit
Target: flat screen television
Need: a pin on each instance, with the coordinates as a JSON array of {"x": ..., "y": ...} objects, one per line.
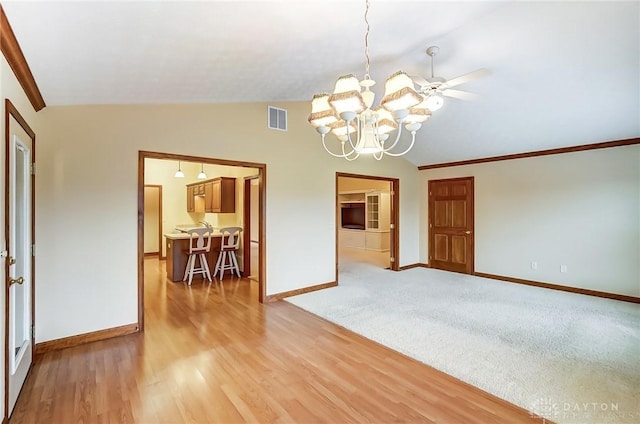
[{"x": 353, "y": 216}]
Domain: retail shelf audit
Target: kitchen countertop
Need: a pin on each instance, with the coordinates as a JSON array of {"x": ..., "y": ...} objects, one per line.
[{"x": 186, "y": 236}]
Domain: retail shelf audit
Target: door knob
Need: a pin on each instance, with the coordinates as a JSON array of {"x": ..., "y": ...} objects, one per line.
[
  {"x": 13, "y": 281},
  {"x": 12, "y": 260},
  {"x": 467, "y": 232}
]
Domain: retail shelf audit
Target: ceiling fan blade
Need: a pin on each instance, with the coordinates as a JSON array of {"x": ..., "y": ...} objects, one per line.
[
  {"x": 459, "y": 94},
  {"x": 420, "y": 81},
  {"x": 466, "y": 77}
]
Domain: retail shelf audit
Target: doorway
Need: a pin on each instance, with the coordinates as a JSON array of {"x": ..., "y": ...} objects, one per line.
[
  {"x": 367, "y": 211},
  {"x": 182, "y": 162},
  {"x": 20, "y": 262},
  {"x": 451, "y": 230}
]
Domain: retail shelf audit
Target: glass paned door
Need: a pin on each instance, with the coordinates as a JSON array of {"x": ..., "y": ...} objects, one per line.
[{"x": 19, "y": 263}]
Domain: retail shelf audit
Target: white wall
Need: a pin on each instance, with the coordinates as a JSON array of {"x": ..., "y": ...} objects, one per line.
[
  {"x": 10, "y": 89},
  {"x": 87, "y": 184},
  {"x": 577, "y": 209}
]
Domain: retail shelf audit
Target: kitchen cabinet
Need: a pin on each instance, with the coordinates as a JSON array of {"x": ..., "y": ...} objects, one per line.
[
  {"x": 208, "y": 196},
  {"x": 223, "y": 199},
  {"x": 191, "y": 199},
  {"x": 217, "y": 195}
]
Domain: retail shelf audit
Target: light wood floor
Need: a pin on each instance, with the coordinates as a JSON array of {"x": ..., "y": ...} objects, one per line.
[{"x": 213, "y": 354}]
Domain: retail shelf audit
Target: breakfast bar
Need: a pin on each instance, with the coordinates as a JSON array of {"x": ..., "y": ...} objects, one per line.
[{"x": 178, "y": 251}]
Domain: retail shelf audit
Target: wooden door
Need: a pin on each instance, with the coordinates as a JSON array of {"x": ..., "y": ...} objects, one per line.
[{"x": 451, "y": 237}]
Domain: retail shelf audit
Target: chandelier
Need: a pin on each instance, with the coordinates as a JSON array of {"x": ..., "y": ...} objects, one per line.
[{"x": 359, "y": 127}]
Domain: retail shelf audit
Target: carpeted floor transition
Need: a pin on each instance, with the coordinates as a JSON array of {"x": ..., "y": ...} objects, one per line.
[{"x": 568, "y": 357}]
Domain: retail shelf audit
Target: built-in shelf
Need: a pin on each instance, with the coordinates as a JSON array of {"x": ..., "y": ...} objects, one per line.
[{"x": 371, "y": 211}]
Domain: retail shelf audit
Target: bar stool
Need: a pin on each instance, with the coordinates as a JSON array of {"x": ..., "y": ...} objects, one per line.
[
  {"x": 199, "y": 246},
  {"x": 227, "y": 256}
]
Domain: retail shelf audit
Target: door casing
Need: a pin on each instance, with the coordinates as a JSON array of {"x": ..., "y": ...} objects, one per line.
[
  {"x": 262, "y": 178},
  {"x": 394, "y": 216}
]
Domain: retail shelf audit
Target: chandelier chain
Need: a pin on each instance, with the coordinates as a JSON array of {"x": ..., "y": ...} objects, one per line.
[{"x": 367, "y": 74}]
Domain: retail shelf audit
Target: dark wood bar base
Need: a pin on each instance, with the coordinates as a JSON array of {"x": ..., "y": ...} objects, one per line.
[{"x": 178, "y": 251}]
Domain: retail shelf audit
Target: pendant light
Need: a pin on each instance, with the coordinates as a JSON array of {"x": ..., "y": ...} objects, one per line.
[
  {"x": 202, "y": 175},
  {"x": 179, "y": 173}
]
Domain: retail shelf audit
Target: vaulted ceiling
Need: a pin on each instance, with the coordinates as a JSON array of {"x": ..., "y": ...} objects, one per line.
[{"x": 561, "y": 73}]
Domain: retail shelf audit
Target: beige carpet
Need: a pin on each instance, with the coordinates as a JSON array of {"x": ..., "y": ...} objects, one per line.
[{"x": 568, "y": 357}]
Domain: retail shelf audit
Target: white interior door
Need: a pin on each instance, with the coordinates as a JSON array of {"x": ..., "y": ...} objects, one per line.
[{"x": 19, "y": 260}]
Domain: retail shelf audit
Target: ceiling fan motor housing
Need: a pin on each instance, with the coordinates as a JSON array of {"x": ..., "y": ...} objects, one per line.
[{"x": 433, "y": 50}]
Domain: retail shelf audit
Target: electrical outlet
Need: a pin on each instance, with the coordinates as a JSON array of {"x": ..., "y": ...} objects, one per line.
[
  {"x": 534, "y": 265},
  {"x": 563, "y": 268}
]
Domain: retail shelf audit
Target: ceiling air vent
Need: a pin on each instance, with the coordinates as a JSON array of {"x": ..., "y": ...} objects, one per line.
[{"x": 277, "y": 118}]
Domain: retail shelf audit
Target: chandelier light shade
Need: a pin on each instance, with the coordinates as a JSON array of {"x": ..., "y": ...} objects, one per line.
[
  {"x": 346, "y": 96},
  {"x": 202, "y": 175},
  {"x": 360, "y": 128},
  {"x": 341, "y": 129},
  {"x": 399, "y": 93},
  {"x": 386, "y": 123},
  {"x": 419, "y": 113},
  {"x": 179, "y": 173},
  {"x": 322, "y": 114}
]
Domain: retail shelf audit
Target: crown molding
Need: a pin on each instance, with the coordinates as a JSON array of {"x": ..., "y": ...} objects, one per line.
[
  {"x": 13, "y": 53},
  {"x": 583, "y": 147}
]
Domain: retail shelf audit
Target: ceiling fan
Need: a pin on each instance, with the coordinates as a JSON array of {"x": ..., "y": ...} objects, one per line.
[{"x": 434, "y": 88}]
